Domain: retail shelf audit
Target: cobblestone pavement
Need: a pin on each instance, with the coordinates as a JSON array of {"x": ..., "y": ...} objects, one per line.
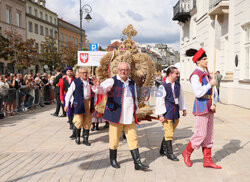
[{"x": 35, "y": 146}]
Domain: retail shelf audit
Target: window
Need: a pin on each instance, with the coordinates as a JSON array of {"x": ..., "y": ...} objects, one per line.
[
  {"x": 36, "y": 28},
  {"x": 247, "y": 52},
  {"x": 61, "y": 36},
  {"x": 41, "y": 15},
  {"x": 69, "y": 38},
  {"x": 55, "y": 34},
  {"x": 35, "y": 12},
  {"x": 0, "y": 30},
  {"x": 50, "y": 19},
  {"x": 18, "y": 19},
  {"x": 66, "y": 38},
  {"x": 30, "y": 27},
  {"x": 8, "y": 16},
  {"x": 51, "y": 32},
  {"x": 76, "y": 41},
  {"x": 30, "y": 10},
  {"x": 46, "y": 17},
  {"x": 73, "y": 40},
  {"x": 46, "y": 31},
  {"x": 55, "y": 21},
  {"x": 41, "y": 30}
]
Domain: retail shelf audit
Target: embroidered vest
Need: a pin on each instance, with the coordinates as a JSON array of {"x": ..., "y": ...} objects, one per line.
[
  {"x": 171, "y": 108},
  {"x": 65, "y": 85},
  {"x": 202, "y": 105},
  {"x": 114, "y": 103},
  {"x": 78, "y": 103}
]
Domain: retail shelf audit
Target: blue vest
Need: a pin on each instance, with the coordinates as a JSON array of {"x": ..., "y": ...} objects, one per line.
[
  {"x": 113, "y": 107},
  {"x": 78, "y": 103},
  {"x": 171, "y": 108},
  {"x": 202, "y": 105}
]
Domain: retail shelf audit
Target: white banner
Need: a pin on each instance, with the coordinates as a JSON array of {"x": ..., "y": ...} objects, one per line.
[{"x": 90, "y": 58}]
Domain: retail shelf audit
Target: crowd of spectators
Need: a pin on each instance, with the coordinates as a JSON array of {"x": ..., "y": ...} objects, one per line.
[{"x": 19, "y": 92}]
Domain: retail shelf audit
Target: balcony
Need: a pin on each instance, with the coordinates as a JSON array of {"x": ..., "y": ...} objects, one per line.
[
  {"x": 182, "y": 10},
  {"x": 218, "y": 7}
]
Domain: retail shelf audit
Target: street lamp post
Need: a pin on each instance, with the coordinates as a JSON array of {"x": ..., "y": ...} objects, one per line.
[
  {"x": 52, "y": 55},
  {"x": 84, "y": 9}
]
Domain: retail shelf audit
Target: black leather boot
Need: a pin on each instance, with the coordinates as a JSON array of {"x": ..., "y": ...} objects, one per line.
[
  {"x": 86, "y": 137},
  {"x": 71, "y": 125},
  {"x": 83, "y": 130},
  {"x": 93, "y": 127},
  {"x": 163, "y": 147},
  {"x": 113, "y": 156},
  {"x": 97, "y": 126},
  {"x": 169, "y": 151},
  {"x": 78, "y": 132},
  {"x": 137, "y": 161},
  {"x": 73, "y": 136},
  {"x": 106, "y": 124}
]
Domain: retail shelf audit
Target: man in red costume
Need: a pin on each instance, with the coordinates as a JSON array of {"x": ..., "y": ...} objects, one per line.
[
  {"x": 203, "y": 110},
  {"x": 64, "y": 85}
]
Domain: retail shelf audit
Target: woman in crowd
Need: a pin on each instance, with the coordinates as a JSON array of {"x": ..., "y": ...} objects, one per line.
[
  {"x": 4, "y": 86},
  {"x": 11, "y": 104},
  {"x": 30, "y": 92}
]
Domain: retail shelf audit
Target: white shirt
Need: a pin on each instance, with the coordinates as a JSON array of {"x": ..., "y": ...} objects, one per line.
[
  {"x": 200, "y": 90},
  {"x": 69, "y": 79},
  {"x": 86, "y": 92},
  {"x": 127, "y": 114},
  {"x": 160, "y": 108}
]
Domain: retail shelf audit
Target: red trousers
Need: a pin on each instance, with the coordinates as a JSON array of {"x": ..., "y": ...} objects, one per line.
[{"x": 203, "y": 136}]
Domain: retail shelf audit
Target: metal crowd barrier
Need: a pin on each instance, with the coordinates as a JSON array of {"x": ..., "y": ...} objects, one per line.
[{"x": 33, "y": 97}]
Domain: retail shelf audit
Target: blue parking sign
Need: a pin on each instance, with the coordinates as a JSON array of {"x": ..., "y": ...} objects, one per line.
[{"x": 93, "y": 47}]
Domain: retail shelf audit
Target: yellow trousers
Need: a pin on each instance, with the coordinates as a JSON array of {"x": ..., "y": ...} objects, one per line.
[
  {"x": 115, "y": 131},
  {"x": 83, "y": 120},
  {"x": 169, "y": 128}
]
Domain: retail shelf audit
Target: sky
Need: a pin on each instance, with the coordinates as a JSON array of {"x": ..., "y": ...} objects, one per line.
[{"x": 151, "y": 18}]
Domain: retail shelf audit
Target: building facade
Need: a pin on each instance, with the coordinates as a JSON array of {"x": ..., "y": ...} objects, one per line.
[
  {"x": 12, "y": 19},
  {"x": 70, "y": 34},
  {"x": 222, "y": 28},
  {"x": 161, "y": 54},
  {"x": 114, "y": 46},
  {"x": 40, "y": 23}
]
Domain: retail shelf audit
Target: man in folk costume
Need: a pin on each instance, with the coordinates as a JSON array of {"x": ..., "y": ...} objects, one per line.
[
  {"x": 120, "y": 111},
  {"x": 64, "y": 85},
  {"x": 203, "y": 110},
  {"x": 81, "y": 90},
  {"x": 169, "y": 100},
  {"x": 57, "y": 93}
]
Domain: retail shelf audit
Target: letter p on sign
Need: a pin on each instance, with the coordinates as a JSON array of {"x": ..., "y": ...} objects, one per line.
[{"x": 93, "y": 47}]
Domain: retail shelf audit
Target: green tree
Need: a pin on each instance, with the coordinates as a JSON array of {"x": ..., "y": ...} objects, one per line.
[
  {"x": 22, "y": 53},
  {"x": 28, "y": 54},
  {"x": 4, "y": 48},
  {"x": 49, "y": 54},
  {"x": 69, "y": 54}
]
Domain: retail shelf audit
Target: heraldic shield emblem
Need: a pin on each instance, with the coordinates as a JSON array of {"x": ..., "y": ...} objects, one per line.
[{"x": 84, "y": 57}]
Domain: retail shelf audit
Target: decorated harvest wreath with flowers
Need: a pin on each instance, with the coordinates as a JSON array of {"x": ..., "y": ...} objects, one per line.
[{"x": 142, "y": 71}]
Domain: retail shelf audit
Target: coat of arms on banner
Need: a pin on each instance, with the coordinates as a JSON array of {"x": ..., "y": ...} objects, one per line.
[{"x": 84, "y": 57}]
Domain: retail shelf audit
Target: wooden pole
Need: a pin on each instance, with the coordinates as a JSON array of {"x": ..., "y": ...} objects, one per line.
[{"x": 215, "y": 20}]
